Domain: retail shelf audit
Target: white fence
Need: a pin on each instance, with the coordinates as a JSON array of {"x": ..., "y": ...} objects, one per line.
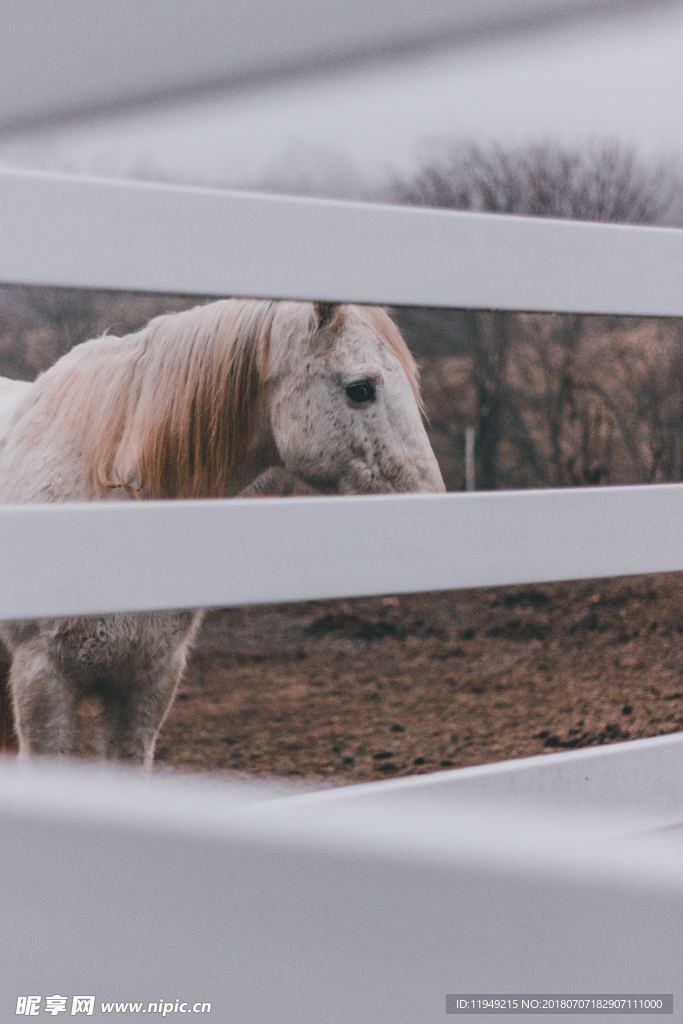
[
  {"x": 71, "y": 231},
  {"x": 119, "y": 54},
  {"x": 367, "y": 904},
  {"x": 364, "y": 905}
]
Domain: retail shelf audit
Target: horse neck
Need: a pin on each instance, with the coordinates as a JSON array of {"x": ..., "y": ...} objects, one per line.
[
  {"x": 74, "y": 409},
  {"x": 204, "y": 412},
  {"x": 260, "y": 455}
]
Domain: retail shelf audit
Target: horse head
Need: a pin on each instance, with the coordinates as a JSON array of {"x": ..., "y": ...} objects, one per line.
[
  {"x": 344, "y": 401},
  {"x": 200, "y": 403}
]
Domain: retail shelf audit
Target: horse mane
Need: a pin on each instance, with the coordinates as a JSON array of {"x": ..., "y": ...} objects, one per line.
[
  {"x": 167, "y": 411},
  {"x": 171, "y": 410}
]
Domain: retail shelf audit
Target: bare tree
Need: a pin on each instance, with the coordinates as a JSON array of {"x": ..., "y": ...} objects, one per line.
[
  {"x": 38, "y": 325},
  {"x": 598, "y": 183}
]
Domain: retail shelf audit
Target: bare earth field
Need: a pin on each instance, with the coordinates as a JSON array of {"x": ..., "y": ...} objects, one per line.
[{"x": 377, "y": 688}]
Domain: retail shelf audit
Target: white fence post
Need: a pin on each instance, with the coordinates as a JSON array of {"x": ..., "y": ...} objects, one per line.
[{"x": 470, "y": 469}]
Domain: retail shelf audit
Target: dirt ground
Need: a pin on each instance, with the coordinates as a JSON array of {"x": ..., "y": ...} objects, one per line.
[{"x": 370, "y": 689}]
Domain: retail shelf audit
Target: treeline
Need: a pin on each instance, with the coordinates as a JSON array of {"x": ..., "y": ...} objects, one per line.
[{"x": 554, "y": 400}]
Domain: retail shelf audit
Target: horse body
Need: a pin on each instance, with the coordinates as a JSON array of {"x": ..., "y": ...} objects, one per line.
[
  {"x": 132, "y": 662},
  {"x": 196, "y": 404}
]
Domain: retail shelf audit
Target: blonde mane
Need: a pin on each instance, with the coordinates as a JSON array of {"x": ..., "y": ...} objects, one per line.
[
  {"x": 171, "y": 410},
  {"x": 167, "y": 411}
]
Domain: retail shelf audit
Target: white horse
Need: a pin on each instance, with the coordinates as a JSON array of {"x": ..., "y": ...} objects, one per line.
[{"x": 196, "y": 404}]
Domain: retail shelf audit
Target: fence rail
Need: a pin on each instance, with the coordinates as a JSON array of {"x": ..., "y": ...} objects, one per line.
[
  {"x": 174, "y": 49},
  {"x": 69, "y": 231},
  {"x": 79, "y": 232},
  {"x": 351, "y": 908},
  {"x": 75, "y": 559}
]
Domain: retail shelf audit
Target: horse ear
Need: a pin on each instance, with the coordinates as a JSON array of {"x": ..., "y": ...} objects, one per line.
[{"x": 325, "y": 311}]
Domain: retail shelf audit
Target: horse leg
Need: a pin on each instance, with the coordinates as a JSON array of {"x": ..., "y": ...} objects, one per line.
[
  {"x": 135, "y": 718},
  {"x": 44, "y": 704}
]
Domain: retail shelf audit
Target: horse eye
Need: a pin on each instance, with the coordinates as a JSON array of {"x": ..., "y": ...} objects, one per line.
[{"x": 362, "y": 391}]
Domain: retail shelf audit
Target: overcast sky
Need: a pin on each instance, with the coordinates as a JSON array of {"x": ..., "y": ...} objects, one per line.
[{"x": 609, "y": 79}]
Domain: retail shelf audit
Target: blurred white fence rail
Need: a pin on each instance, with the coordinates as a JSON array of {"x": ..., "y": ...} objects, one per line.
[
  {"x": 326, "y": 908},
  {"x": 639, "y": 778},
  {"x": 77, "y": 58}
]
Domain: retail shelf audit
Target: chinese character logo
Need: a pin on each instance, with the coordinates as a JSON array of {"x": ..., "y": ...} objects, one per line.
[
  {"x": 83, "y": 1004},
  {"x": 28, "y": 1006},
  {"x": 55, "y": 1005}
]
